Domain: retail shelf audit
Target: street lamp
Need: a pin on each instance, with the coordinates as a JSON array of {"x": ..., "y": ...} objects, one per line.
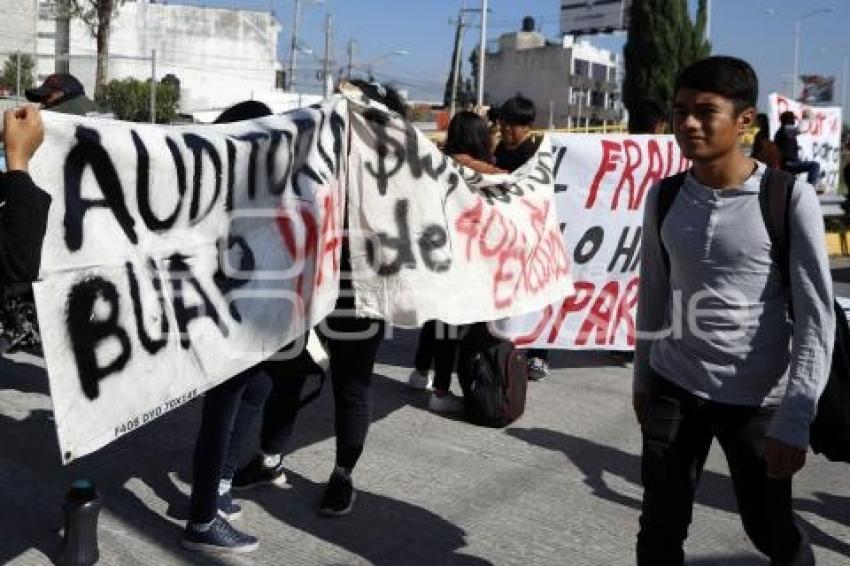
[
  {"x": 394, "y": 53},
  {"x": 797, "y": 25}
]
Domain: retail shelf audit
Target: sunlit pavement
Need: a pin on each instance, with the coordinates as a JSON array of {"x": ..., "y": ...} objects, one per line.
[{"x": 559, "y": 486}]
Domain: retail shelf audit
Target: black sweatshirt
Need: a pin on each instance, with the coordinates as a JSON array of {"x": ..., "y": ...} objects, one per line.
[{"x": 23, "y": 221}]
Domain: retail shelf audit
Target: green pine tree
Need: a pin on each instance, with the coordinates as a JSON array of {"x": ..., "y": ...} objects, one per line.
[{"x": 662, "y": 40}]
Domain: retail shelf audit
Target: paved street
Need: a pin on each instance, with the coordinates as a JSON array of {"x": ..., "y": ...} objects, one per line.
[{"x": 560, "y": 486}]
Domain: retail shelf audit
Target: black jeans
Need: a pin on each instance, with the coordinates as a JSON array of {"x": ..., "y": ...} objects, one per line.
[
  {"x": 678, "y": 429},
  {"x": 438, "y": 344},
  {"x": 218, "y": 441},
  {"x": 352, "y": 345}
]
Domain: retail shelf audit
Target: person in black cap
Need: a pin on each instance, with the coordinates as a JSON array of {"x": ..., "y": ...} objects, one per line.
[{"x": 62, "y": 92}]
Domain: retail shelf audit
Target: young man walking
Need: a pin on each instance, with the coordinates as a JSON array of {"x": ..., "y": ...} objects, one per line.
[{"x": 719, "y": 354}]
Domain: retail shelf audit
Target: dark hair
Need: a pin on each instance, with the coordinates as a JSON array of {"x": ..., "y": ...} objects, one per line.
[
  {"x": 468, "y": 133},
  {"x": 246, "y": 110},
  {"x": 386, "y": 95},
  {"x": 762, "y": 122},
  {"x": 787, "y": 118},
  {"x": 494, "y": 114},
  {"x": 729, "y": 77},
  {"x": 645, "y": 116},
  {"x": 518, "y": 111}
]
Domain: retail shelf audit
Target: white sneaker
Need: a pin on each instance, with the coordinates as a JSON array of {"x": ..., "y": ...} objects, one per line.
[
  {"x": 449, "y": 403},
  {"x": 420, "y": 381}
]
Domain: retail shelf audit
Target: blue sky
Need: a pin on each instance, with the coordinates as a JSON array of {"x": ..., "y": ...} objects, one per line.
[{"x": 761, "y": 31}]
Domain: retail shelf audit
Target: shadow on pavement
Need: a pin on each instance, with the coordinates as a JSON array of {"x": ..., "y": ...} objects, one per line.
[
  {"x": 715, "y": 490},
  {"x": 33, "y": 482},
  {"x": 727, "y": 561},
  {"x": 382, "y": 530}
]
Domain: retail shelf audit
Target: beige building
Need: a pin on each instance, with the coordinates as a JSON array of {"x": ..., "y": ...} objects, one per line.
[{"x": 572, "y": 83}]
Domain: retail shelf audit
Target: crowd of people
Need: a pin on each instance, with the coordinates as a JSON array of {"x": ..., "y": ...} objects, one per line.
[{"x": 754, "y": 390}]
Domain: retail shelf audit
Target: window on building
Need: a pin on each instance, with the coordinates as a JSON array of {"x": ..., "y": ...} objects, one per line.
[
  {"x": 597, "y": 99},
  {"x": 582, "y": 68},
  {"x": 600, "y": 72}
]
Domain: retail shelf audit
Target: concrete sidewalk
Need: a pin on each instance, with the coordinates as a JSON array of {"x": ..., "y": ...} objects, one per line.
[{"x": 560, "y": 486}]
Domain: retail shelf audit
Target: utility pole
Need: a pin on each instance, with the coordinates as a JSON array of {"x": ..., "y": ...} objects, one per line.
[
  {"x": 351, "y": 43},
  {"x": 293, "y": 49},
  {"x": 456, "y": 63},
  {"x": 481, "y": 53},
  {"x": 326, "y": 73},
  {"x": 153, "y": 86}
]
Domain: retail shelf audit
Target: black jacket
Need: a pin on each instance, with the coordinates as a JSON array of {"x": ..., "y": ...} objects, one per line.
[
  {"x": 513, "y": 159},
  {"x": 786, "y": 140},
  {"x": 23, "y": 221}
]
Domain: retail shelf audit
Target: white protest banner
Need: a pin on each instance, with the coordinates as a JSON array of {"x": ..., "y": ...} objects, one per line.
[
  {"x": 819, "y": 138},
  {"x": 601, "y": 182},
  {"x": 177, "y": 257},
  {"x": 452, "y": 245}
]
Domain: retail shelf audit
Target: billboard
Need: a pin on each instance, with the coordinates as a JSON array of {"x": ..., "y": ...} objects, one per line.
[
  {"x": 817, "y": 89},
  {"x": 594, "y": 16}
]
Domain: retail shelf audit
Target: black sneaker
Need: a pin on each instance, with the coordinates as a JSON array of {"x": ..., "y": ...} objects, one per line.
[
  {"x": 338, "y": 499},
  {"x": 227, "y": 509},
  {"x": 538, "y": 369},
  {"x": 220, "y": 538},
  {"x": 255, "y": 473}
]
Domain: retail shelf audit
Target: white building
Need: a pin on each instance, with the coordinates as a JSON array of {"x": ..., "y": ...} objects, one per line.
[
  {"x": 571, "y": 82},
  {"x": 220, "y": 56}
]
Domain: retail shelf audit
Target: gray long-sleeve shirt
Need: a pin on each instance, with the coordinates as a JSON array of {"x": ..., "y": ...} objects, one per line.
[{"x": 718, "y": 326}]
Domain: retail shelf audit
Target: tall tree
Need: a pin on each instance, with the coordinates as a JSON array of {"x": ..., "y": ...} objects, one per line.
[
  {"x": 97, "y": 15},
  {"x": 129, "y": 99},
  {"x": 662, "y": 40}
]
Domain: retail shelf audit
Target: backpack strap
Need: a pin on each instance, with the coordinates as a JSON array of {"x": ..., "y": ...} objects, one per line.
[
  {"x": 775, "y": 202},
  {"x": 667, "y": 193}
]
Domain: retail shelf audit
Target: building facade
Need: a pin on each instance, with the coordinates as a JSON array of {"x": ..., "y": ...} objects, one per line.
[
  {"x": 572, "y": 83},
  {"x": 220, "y": 56}
]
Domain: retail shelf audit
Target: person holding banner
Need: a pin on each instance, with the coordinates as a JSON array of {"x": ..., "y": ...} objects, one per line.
[
  {"x": 786, "y": 140},
  {"x": 24, "y": 205},
  {"x": 516, "y": 147},
  {"x": 717, "y": 354},
  {"x": 468, "y": 143},
  {"x": 229, "y": 411},
  {"x": 352, "y": 344}
]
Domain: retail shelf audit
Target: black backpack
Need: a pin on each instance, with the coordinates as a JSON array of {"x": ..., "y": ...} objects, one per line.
[
  {"x": 493, "y": 375},
  {"x": 830, "y": 432}
]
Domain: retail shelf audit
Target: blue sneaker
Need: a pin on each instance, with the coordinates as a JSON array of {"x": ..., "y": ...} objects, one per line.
[
  {"x": 220, "y": 538},
  {"x": 227, "y": 509}
]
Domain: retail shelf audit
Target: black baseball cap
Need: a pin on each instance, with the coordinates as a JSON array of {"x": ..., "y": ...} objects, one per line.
[{"x": 63, "y": 82}]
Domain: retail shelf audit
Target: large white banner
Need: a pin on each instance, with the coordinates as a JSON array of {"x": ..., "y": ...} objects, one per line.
[
  {"x": 819, "y": 139},
  {"x": 177, "y": 257},
  {"x": 601, "y": 182}
]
